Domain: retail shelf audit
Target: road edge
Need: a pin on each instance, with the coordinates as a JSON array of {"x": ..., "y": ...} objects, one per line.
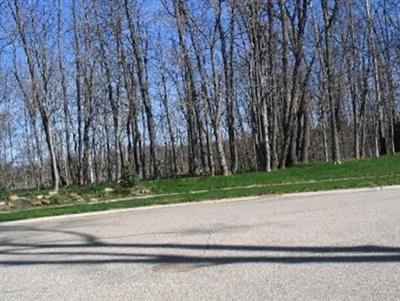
[{"x": 199, "y": 203}]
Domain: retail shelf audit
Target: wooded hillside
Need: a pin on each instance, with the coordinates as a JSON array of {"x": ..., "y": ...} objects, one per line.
[{"x": 93, "y": 90}]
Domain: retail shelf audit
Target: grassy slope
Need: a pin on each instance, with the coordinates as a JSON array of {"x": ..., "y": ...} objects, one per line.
[
  {"x": 312, "y": 172},
  {"x": 313, "y": 177}
]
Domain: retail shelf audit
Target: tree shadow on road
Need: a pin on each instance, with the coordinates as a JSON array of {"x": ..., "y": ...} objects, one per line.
[{"x": 87, "y": 249}]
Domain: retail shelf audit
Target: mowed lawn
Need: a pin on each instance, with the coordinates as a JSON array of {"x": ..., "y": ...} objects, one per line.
[
  {"x": 385, "y": 166},
  {"x": 301, "y": 178}
]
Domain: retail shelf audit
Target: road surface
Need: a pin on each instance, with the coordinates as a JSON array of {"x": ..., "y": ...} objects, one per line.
[{"x": 328, "y": 246}]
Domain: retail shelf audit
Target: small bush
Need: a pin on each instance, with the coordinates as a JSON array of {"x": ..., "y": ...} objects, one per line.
[
  {"x": 99, "y": 193},
  {"x": 397, "y": 136},
  {"x": 128, "y": 177},
  {"x": 54, "y": 200},
  {"x": 4, "y": 193}
]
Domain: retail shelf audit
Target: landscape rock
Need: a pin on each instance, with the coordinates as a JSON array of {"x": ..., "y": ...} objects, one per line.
[
  {"x": 94, "y": 200},
  {"x": 45, "y": 202},
  {"x": 39, "y": 197},
  {"x": 13, "y": 198},
  {"x": 139, "y": 192},
  {"x": 3, "y": 206},
  {"x": 36, "y": 203},
  {"x": 144, "y": 191},
  {"x": 51, "y": 193},
  {"x": 109, "y": 189},
  {"x": 74, "y": 195}
]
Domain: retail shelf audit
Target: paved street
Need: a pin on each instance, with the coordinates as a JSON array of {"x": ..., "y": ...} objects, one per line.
[{"x": 328, "y": 246}]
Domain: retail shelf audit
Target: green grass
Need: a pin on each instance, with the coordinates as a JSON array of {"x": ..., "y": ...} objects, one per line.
[
  {"x": 312, "y": 177},
  {"x": 312, "y": 172}
]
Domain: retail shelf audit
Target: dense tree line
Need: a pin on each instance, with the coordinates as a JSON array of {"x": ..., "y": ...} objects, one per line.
[{"x": 92, "y": 89}]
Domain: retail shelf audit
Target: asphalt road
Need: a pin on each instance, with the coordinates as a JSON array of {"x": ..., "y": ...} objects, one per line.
[{"x": 329, "y": 246}]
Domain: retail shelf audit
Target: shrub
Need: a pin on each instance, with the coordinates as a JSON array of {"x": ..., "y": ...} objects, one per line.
[
  {"x": 4, "y": 193},
  {"x": 54, "y": 200},
  {"x": 397, "y": 136},
  {"x": 99, "y": 193},
  {"x": 128, "y": 177}
]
